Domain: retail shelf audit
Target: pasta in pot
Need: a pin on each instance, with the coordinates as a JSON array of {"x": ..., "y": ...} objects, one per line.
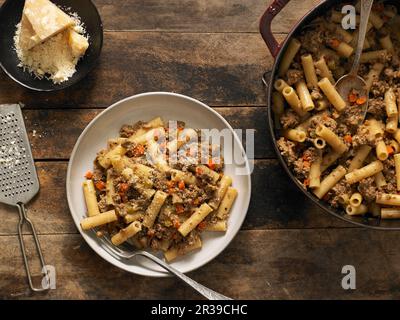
[
  {"x": 351, "y": 165},
  {"x": 151, "y": 188}
]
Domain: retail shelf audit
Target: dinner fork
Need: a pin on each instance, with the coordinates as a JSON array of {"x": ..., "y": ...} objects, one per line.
[{"x": 127, "y": 254}]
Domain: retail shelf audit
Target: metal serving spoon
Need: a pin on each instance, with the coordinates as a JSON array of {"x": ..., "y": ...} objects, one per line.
[{"x": 352, "y": 80}]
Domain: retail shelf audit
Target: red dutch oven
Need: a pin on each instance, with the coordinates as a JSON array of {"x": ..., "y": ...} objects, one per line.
[{"x": 277, "y": 50}]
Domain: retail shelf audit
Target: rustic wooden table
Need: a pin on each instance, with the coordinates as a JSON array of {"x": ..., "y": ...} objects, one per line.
[{"x": 212, "y": 51}]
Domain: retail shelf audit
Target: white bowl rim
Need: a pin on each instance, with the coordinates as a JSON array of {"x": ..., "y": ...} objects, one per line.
[{"x": 104, "y": 253}]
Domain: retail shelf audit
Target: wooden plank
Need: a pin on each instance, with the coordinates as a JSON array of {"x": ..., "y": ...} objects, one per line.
[
  {"x": 53, "y": 133},
  {"x": 269, "y": 208},
  {"x": 196, "y": 15},
  {"x": 214, "y": 68},
  {"x": 272, "y": 264}
]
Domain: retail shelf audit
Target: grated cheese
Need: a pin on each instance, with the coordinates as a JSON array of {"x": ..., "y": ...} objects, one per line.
[{"x": 55, "y": 58}]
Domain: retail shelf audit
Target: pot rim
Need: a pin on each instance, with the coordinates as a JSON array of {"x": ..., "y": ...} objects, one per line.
[{"x": 269, "y": 89}]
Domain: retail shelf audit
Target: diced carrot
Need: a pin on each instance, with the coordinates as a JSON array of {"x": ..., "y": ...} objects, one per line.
[
  {"x": 138, "y": 150},
  {"x": 89, "y": 175},
  {"x": 334, "y": 43},
  {"x": 390, "y": 150},
  {"x": 353, "y": 97},
  {"x": 100, "y": 185},
  {"x": 179, "y": 208},
  {"x": 202, "y": 225},
  {"x": 306, "y": 182},
  {"x": 306, "y": 164},
  {"x": 199, "y": 171},
  {"x": 177, "y": 224},
  {"x": 171, "y": 184},
  {"x": 181, "y": 185},
  {"x": 348, "y": 138},
  {"x": 306, "y": 157},
  {"x": 123, "y": 188},
  {"x": 361, "y": 100},
  {"x": 211, "y": 165}
]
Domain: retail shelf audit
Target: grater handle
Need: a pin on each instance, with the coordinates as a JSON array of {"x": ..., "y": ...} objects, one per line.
[{"x": 23, "y": 218}]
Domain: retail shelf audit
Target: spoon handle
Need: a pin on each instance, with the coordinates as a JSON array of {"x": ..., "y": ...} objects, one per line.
[{"x": 366, "y": 6}]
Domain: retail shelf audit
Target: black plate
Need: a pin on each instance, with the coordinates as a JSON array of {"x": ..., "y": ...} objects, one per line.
[{"x": 10, "y": 16}]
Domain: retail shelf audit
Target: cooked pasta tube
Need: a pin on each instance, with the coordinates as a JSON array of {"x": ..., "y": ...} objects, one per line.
[
  {"x": 99, "y": 220},
  {"x": 328, "y": 160},
  {"x": 344, "y": 199},
  {"x": 130, "y": 217},
  {"x": 105, "y": 160},
  {"x": 126, "y": 233},
  {"x": 322, "y": 104},
  {"x": 224, "y": 184},
  {"x": 380, "y": 180},
  {"x": 395, "y": 146},
  {"x": 344, "y": 50},
  {"x": 153, "y": 209},
  {"x": 305, "y": 98},
  {"x": 345, "y": 35},
  {"x": 375, "y": 128},
  {"x": 315, "y": 172},
  {"x": 293, "y": 100},
  {"x": 90, "y": 198},
  {"x": 396, "y": 135},
  {"x": 331, "y": 93},
  {"x": 390, "y": 213},
  {"x": 187, "y": 177},
  {"x": 376, "y": 20},
  {"x": 202, "y": 169},
  {"x": 152, "y": 124},
  {"x": 373, "y": 74},
  {"x": 218, "y": 226},
  {"x": 371, "y": 56},
  {"x": 386, "y": 43},
  {"x": 392, "y": 124},
  {"x": 324, "y": 70},
  {"x": 388, "y": 199},
  {"x": 309, "y": 71},
  {"x": 280, "y": 84},
  {"x": 356, "y": 211},
  {"x": 319, "y": 143},
  {"x": 356, "y": 199},
  {"x": 195, "y": 219},
  {"x": 364, "y": 172},
  {"x": 295, "y": 135},
  {"x": 226, "y": 203},
  {"x": 397, "y": 168},
  {"x": 174, "y": 252},
  {"x": 359, "y": 158},
  {"x": 291, "y": 51},
  {"x": 329, "y": 182},
  {"x": 381, "y": 150},
  {"x": 390, "y": 103},
  {"x": 331, "y": 138}
]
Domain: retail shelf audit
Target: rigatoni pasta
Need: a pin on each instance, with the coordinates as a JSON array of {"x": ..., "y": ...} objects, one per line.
[
  {"x": 138, "y": 194},
  {"x": 344, "y": 149}
]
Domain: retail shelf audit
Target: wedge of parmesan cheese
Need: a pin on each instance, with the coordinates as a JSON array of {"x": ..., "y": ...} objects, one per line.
[
  {"x": 41, "y": 19},
  {"x": 77, "y": 42}
]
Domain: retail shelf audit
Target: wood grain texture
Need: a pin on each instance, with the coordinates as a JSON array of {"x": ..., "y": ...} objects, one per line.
[
  {"x": 218, "y": 69},
  {"x": 273, "y": 264},
  {"x": 269, "y": 209},
  {"x": 196, "y": 15},
  {"x": 53, "y": 133}
]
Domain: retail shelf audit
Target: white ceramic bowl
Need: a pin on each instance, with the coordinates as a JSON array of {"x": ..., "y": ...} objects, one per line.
[{"x": 106, "y": 125}]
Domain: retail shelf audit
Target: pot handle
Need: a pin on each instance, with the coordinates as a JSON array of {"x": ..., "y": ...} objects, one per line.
[{"x": 265, "y": 25}]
